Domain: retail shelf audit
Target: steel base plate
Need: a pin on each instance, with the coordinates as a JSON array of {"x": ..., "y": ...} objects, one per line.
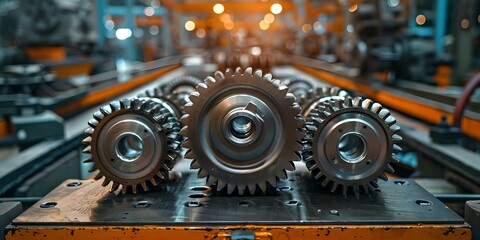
[{"x": 186, "y": 209}]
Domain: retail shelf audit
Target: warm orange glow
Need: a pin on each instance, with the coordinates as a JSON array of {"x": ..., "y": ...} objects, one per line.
[
  {"x": 229, "y": 25},
  {"x": 218, "y": 8},
  {"x": 276, "y": 8},
  {"x": 421, "y": 19},
  {"x": 200, "y": 33},
  {"x": 269, "y": 18},
  {"x": 306, "y": 27},
  {"x": 189, "y": 26},
  {"x": 353, "y": 8},
  {"x": 264, "y": 25},
  {"x": 225, "y": 18},
  {"x": 465, "y": 23}
]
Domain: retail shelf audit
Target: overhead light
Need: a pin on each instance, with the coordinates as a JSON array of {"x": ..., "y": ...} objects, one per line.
[
  {"x": 218, "y": 8},
  {"x": 465, "y": 23},
  {"x": 190, "y": 25},
  {"x": 109, "y": 24},
  {"x": 149, "y": 11},
  {"x": 123, "y": 33},
  {"x": 269, "y": 18},
  {"x": 421, "y": 19},
  {"x": 200, "y": 33},
  {"x": 306, "y": 27},
  {"x": 276, "y": 8},
  {"x": 353, "y": 8},
  {"x": 264, "y": 25}
]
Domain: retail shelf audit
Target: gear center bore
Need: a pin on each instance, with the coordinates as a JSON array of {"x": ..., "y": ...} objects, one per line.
[
  {"x": 242, "y": 126},
  {"x": 128, "y": 147},
  {"x": 352, "y": 147}
]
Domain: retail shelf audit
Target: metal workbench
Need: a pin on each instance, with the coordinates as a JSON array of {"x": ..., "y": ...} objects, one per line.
[{"x": 185, "y": 208}]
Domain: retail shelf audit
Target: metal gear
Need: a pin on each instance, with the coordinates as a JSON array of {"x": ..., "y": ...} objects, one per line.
[
  {"x": 175, "y": 93},
  {"x": 132, "y": 143},
  {"x": 298, "y": 87},
  {"x": 241, "y": 130},
  {"x": 164, "y": 99},
  {"x": 318, "y": 95},
  {"x": 350, "y": 143}
]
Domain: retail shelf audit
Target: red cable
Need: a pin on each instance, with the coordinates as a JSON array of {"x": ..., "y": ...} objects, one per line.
[{"x": 464, "y": 99}]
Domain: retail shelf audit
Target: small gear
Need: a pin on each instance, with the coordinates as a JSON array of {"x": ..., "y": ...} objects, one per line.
[
  {"x": 241, "y": 130},
  {"x": 132, "y": 143},
  {"x": 350, "y": 143},
  {"x": 298, "y": 87},
  {"x": 319, "y": 95},
  {"x": 174, "y": 93}
]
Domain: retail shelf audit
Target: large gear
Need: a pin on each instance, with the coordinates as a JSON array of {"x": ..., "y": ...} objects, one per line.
[
  {"x": 132, "y": 143},
  {"x": 350, "y": 143},
  {"x": 241, "y": 130},
  {"x": 314, "y": 97}
]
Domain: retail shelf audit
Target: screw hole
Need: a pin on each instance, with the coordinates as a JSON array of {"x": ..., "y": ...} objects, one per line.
[
  {"x": 193, "y": 204},
  {"x": 112, "y": 160},
  {"x": 364, "y": 126},
  {"x": 143, "y": 204},
  {"x": 200, "y": 188},
  {"x": 74, "y": 184},
  {"x": 198, "y": 195},
  {"x": 48, "y": 204},
  {"x": 422, "y": 202},
  {"x": 245, "y": 203},
  {"x": 293, "y": 203}
]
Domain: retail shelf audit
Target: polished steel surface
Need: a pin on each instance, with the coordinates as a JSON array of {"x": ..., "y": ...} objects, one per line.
[
  {"x": 241, "y": 130},
  {"x": 132, "y": 143},
  {"x": 350, "y": 143},
  {"x": 185, "y": 201}
]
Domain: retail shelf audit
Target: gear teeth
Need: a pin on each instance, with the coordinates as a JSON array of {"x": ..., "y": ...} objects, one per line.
[
  {"x": 134, "y": 188},
  {"x": 97, "y": 177},
  {"x": 153, "y": 181},
  {"x": 209, "y": 80},
  {"x": 160, "y": 175},
  {"x": 105, "y": 182},
  {"x": 241, "y": 189},
  {"x": 105, "y": 110},
  {"x": 268, "y": 77},
  {"x": 376, "y": 108},
  {"x": 356, "y": 191},
  {"x": 334, "y": 187},
  {"x": 114, "y": 105},
  {"x": 396, "y": 148},
  {"x": 325, "y": 182},
  {"x": 219, "y": 76},
  {"x": 92, "y": 123},
  {"x": 384, "y": 114},
  {"x": 89, "y": 131},
  {"x": 258, "y": 73},
  {"x": 221, "y": 185},
  {"x": 187, "y": 144},
  {"x": 396, "y": 138},
  {"x": 366, "y": 103},
  {"x": 383, "y": 177},
  {"x": 144, "y": 186},
  {"x": 190, "y": 155},
  {"x": 249, "y": 71},
  {"x": 194, "y": 164},
  {"x": 98, "y": 116},
  {"x": 357, "y": 102},
  {"x": 125, "y": 103},
  {"x": 263, "y": 185},
  {"x": 230, "y": 188},
  {"x": 211, "y": 180},
  {"x": 87, "y": 140},
  {"x": 390, "y": 169},
  {"x": 282, "y": 174},
  {"x": 395, "y": 128},
  {"x": 251, "y": 187},
  {"x": 201, "y": 88},
  {"x": 184, "y": 118},
  {"x": 88, "y": 160},
  {"x": 238, "y": 70},
  {"x": 115, "y": 187},
  {"x": 202, "y": 173},
  {"x": 394, "y": 158},
  {"x": 344, "y": 191},
  {"x": 374, "y": 184},
  {"x": 390, "y": 120},
  {"x": 87, "y": 150}
]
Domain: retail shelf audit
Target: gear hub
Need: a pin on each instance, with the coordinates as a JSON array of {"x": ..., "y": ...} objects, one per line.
[{"x": 241, "y": 130}]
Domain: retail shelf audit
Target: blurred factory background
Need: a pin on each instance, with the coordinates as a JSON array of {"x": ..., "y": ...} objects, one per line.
[{"x": 62, "y": 59}]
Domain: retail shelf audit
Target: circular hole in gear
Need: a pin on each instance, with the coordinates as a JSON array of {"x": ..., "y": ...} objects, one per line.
[
  {"x": 129, "y": 147},
  {"x": 422, "y": 202},
  {"x": 74, "y": 184},
  {"x": 352, "y": 148},
  {"x": 198, "y": 195},
  {"x": 241, "y": 127}
]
